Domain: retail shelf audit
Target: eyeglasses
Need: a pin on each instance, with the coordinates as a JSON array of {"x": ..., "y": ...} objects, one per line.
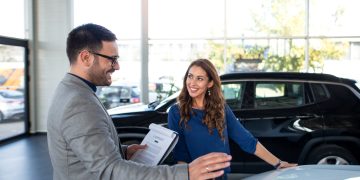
[{"x": 113, "y": 59}]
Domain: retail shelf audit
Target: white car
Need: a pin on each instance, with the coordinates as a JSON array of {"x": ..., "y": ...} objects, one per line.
[
  {"x": 309, "y": 172},
  {"x": 11, "y": 104}
]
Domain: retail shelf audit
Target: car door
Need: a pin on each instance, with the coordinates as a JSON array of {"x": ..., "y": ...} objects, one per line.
[
  {"x": 278, "y": 114},
  {"x": 340, "y": 106},
  {"x": 233, "y": 93}
]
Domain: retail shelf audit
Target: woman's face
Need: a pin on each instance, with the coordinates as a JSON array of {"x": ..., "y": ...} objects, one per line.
[{"x": 197, "y": 82}]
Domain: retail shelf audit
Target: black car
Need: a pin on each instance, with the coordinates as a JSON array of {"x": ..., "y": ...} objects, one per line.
[{"x": 304, "y": 118}]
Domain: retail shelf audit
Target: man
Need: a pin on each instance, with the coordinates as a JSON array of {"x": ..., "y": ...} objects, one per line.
[{"x": 83, "y": 142}]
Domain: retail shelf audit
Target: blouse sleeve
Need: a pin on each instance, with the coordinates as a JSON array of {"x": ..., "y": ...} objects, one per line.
[
  {"x": 238, "y": 133},
  {"x": 180, "y": 151}
]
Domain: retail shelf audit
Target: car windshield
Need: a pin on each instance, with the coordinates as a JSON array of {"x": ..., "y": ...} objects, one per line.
[
  {"x": 153, "y": 104},
  {"x": 358, "y": 84},
  {"x": 173, "y": 96}
]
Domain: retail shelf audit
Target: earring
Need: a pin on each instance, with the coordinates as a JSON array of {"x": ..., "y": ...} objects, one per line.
[{"x": 209, "y": 92}]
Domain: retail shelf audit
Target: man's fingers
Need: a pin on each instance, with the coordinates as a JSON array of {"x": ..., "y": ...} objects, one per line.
[
  {"x": 141, "y": 146},
  {"x": 136, "y": 147},
  {"x": 213, "y": 155},
  {"x": 217, "y": 160},
  {"x": 217, "y": 166},
  {"x": 212, "y": 175},
  {"x": 209, "y": 166},
  {"x": 214, "y": 161}
]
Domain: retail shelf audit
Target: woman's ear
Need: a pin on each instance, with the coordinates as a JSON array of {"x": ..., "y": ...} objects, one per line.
[{"x": 211, "y": 84}]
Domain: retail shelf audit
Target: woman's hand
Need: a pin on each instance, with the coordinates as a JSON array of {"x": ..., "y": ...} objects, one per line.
[{"x": 284, "y": 164}]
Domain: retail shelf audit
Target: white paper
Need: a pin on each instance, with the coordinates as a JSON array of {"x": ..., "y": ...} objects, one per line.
[{"x": 160, "y": 141}]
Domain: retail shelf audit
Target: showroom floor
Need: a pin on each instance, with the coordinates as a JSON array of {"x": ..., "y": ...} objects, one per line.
[{"x": 25, "y": 158}]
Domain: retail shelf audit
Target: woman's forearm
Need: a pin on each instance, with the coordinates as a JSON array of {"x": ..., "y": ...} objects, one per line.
[{"x": 265, "y": 155}]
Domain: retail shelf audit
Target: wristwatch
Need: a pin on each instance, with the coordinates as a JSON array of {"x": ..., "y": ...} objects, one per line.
[{"x": 277, "y": 165}]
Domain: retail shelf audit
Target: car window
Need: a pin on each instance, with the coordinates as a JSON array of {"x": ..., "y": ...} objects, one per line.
[
  {"x": 278, "y": 95},
  {"x": 114, "y": 96},
  {"x": 343, "y": 97},
  {"x": 135, "y": 92},
  {"x": 233, "y": 94},
  {"x": 267, "y": 90},
  {"x": 114, "y": 91},
  {"x": 320, "y": 92}
]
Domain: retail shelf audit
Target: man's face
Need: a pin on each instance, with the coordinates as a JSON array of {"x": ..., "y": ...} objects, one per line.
[{"x": 102, "y": 68}]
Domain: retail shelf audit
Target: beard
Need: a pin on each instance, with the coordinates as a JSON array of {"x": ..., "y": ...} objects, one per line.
[{"x": 100, "y": 77}]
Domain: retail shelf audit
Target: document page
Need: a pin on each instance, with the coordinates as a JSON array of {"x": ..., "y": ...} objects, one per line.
[{"x": 160, "y": 141}]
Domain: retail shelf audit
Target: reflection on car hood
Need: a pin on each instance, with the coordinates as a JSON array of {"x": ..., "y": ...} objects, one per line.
[
  {"x": 138, "y": 107},
  {"x": 349, "y": 172}
]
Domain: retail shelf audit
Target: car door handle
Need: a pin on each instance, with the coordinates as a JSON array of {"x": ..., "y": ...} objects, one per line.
[{"x": 306, "y": 116}]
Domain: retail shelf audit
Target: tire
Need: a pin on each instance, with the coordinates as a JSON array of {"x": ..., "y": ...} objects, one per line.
[{"x": 331, "y": 154}]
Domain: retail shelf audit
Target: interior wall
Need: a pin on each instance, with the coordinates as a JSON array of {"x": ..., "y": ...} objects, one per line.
[{"x": 51, "y": 23}]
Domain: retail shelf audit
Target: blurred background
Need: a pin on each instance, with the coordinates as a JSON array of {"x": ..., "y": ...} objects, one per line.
[{"x": 158, "y": 39}]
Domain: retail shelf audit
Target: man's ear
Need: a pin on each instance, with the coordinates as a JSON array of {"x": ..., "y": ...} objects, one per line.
[{"x": 85, "y": 58}]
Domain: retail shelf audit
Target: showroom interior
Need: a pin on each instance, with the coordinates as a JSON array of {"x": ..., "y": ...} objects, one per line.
[{"x": 157, "y": 40}]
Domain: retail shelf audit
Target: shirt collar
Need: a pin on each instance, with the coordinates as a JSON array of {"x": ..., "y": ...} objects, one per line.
[{"x": 90, "y": 84}]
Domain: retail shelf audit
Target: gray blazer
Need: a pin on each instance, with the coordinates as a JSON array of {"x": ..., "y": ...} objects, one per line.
[{"x": 83, "y": 142}]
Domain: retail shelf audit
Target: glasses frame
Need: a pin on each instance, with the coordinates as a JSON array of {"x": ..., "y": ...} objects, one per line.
[{"x": 113, "y": 59}]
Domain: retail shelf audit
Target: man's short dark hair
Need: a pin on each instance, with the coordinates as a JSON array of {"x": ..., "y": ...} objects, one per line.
[{"x": 87, "y": 36}]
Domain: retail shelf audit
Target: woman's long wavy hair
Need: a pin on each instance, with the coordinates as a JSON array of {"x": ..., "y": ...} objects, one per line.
[{"x": 214, "y": 102}]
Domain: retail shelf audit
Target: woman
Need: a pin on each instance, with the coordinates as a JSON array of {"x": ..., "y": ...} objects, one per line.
[{"x": 205, "y": 123}]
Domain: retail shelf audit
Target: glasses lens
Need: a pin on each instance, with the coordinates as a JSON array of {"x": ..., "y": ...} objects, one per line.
[{"x": 113, "y": 59}]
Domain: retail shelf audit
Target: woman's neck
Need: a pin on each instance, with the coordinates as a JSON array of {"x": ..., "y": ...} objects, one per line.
[{"x": 198, "y": 103}]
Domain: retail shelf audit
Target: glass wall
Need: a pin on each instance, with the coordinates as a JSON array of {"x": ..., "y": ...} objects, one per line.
[
  {"x": 335, "y": 36},
  {"x": 334, "y": 17},
  {"x": 123, "y": 18},
  {"x": 13, "y": 22},
  {"x": 13, "y": 119},
  {"x": 13, "y": 69},
  {"x": 237, "y": 35}
]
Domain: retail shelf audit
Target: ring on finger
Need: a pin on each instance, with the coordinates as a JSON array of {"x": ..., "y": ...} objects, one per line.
[{"x": 207, "y": 169}]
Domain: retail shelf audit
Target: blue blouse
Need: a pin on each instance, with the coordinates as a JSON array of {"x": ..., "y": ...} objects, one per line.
[{"x": 195, "y": 140}]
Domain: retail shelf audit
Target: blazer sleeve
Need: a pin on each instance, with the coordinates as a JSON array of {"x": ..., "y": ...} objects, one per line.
[{"x": 87, "y": 132}]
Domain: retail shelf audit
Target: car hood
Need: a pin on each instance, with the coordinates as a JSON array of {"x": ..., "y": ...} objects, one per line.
[
  {"x": 138, "y": 107},
  {"x": 311, "y": 172}
]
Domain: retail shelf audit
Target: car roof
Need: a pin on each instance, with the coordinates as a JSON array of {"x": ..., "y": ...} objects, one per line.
[{"x": 286, "y": 76}]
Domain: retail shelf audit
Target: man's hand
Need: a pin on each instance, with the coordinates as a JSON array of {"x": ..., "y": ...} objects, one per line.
[
  {"x": 209, "y": 166},
  {"x": 131, "y": 149}
]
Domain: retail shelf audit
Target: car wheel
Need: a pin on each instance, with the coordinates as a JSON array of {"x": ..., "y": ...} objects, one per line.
[{"x": 331, "y": 154}]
